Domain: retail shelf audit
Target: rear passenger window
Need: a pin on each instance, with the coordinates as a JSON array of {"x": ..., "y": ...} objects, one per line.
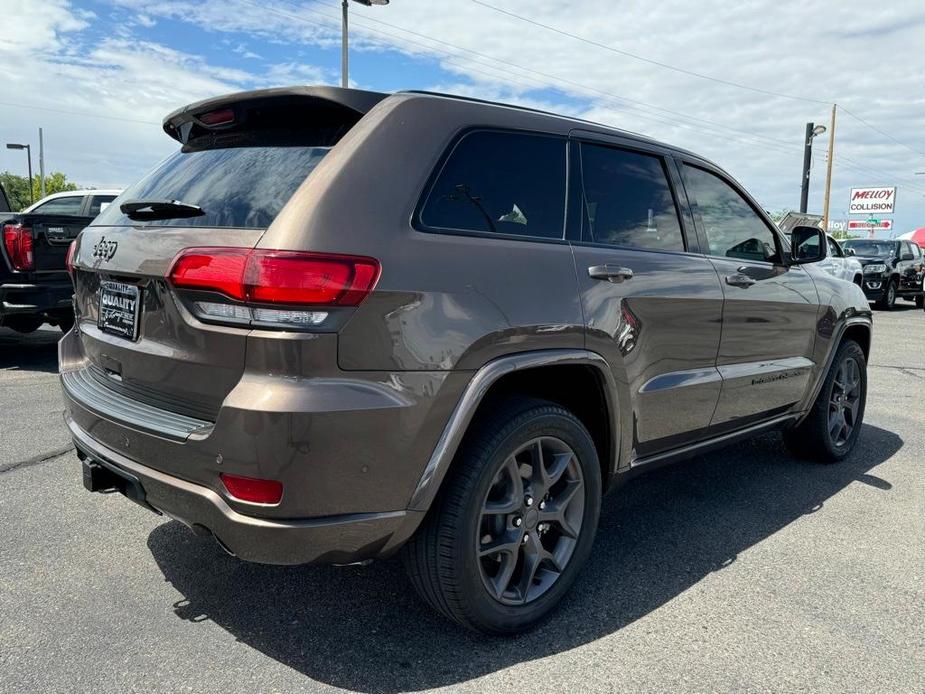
[
  {"x": 627, "y": 200},
  {"x": 501, "y": 182},
  {"x": 98, "y": 203},
  {"x": 68, "y": 205},
  {"x": 733, "y": 228}
]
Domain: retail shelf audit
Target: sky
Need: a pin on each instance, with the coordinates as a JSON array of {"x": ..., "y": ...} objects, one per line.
[{"x": 733, "y": 81}]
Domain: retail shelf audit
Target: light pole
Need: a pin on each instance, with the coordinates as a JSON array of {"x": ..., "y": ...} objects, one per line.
[
  {"x": 811, "y": 132},
  {"x": 343, "y": 36},
  {"x": 11, "y": 145}
]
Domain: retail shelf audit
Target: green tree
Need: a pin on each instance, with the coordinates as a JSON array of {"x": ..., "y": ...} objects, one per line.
[{"x": 17, "y": 187}]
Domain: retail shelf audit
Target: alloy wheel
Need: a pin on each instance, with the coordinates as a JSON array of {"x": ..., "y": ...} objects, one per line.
[
  {"x": 844, "y": 402},
  {"x": 530, "y": 521}
]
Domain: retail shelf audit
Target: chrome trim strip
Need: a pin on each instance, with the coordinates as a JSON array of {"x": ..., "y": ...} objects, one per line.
[
  {"x": 716, "y": 441},
  {"x": 88, "y": 392},
  {"x": 679, "y": 379},
  {"x": 763, "y": 368},
  {"x": 453, "y": 433}
]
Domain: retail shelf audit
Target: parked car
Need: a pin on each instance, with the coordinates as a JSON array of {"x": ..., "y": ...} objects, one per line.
[
  {"x": 34, "y": 284},
  {"x": 840, "y": 264},
  {"x": 339, "y": 324},
  {"x": 892, "y": 269}
]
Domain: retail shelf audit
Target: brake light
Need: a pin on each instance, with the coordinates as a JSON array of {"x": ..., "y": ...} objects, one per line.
[
  {"x": 223, "y": 116},
  {"x": 69, "y": 258},
  {"x": 17, "y": 241},
  {"x": 253, "y": 490},
  {"x": 277, "y": 277}
]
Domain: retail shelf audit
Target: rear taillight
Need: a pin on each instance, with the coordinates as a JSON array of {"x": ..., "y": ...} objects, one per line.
[
  {"x": 264, "y": 279},
  {"x": 69, "y": 259},
  {"x": 17, "y": 241},
  {"x": 253, "y": 490}
]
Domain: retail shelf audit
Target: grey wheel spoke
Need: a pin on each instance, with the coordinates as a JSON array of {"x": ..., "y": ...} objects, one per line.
[
  {"x": 502, "y": 580},
  {"x": 506, "y": 544},
  {"x": 531, "y": 564},
  {"x": 560, "y": 463}
]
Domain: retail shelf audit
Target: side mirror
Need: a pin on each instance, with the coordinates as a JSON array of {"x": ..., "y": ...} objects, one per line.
[
  {"x": 850, "y": 251},
  {"x": 807, "y": 245}
]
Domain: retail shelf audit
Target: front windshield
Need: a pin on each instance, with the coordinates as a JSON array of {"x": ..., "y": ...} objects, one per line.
[{"x": 880, "y": 249}]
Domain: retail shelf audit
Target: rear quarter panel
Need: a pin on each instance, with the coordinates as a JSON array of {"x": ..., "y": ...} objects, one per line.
[{"x": 443, "y": 301}]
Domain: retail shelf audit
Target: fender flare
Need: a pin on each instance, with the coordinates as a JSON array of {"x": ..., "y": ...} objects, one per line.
[{"x": 478, "y": 387}]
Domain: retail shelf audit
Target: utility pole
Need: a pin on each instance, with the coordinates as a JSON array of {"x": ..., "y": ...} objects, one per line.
[
  {"x": 828, "y": 172},
  {"x": 41, "y": 166}
]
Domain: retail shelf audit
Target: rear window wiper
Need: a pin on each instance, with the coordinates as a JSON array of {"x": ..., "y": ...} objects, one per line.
[{"x": 147, "y": 210}]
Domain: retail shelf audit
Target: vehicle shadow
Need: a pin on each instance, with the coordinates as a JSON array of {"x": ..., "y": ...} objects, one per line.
[
  {"x": 364, "y": 628},
  {"x": 36, "y": 351}
]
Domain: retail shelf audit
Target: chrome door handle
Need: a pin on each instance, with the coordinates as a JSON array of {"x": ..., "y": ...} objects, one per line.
[
  {"x": 739, "y": 280},
  {"x": 611, "y": 273}
]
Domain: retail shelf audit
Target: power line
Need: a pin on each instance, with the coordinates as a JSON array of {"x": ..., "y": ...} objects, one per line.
[
  {"x": 649, "y": 60},
  {"x": 78, "y": 113},
  {"x": 690, "y": 72},
  {"x": 621, "y": 100},
  {"x": 885, "y": 134}
]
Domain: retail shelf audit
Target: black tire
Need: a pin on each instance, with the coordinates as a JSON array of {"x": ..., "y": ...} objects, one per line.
[
  {"x": 919, "y": 301},
  {"x": 23, "y": 323},
  {"x": 888, "y": 299},
  {"x": 813, "y": 439},
  {"x": 444, "y": 558},
  {"x": 65, "y": 323}
]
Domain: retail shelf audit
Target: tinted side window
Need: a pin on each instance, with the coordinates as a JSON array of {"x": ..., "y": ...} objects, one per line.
[
  {"x": 627, "y": 200},
  {"x": 99, "y": 203},
  {"x": 732, "y": 227},
  {"x": 67, "y": 205},
  {"x": 501, "y": 182}
]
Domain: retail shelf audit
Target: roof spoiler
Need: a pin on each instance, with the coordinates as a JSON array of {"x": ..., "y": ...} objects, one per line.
[{"x": 232, "y": 111}]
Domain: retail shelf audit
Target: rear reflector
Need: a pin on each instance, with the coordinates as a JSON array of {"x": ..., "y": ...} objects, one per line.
[
  {"x": 17, "y": 242},
  {"x": 277, "y": 277},
  {"x": 253, "y": 490}
]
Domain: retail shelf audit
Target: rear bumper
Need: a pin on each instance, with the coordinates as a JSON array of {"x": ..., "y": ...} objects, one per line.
[
  {"x": 35, "y": 298},
  {"x": 329, "y": 540}
]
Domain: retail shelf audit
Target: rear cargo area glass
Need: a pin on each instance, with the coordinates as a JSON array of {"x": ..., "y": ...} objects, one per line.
[{"x": 240, "y": 187}]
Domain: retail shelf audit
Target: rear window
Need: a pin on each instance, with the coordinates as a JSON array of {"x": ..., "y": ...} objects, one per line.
[
  {"x": 503, "y": 183},
  {"x": 240, "y": 187},
  {"x": 69, "y": 205},
  {"x": 98, "y": 203}
]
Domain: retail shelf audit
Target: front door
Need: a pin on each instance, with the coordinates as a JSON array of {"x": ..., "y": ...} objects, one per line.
[
  {"x": 770, "y": 311},
  {"x": 652, "y": 303}
]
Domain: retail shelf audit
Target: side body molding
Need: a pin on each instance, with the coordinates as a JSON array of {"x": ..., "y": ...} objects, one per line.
[{"x": 484, "y": 378}]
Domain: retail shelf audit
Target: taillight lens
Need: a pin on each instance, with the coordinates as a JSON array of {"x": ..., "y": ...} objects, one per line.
[
  {"x": 69, "y": 258},
  {"x": 296, "y": 280},
  {"x": 253, "y": 490},
  {"x": 17, "y": 241},
  {"x": 277, "y": 277}
]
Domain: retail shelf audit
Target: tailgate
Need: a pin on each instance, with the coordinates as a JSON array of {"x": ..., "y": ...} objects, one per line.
[{"x": 51, "y": 236}]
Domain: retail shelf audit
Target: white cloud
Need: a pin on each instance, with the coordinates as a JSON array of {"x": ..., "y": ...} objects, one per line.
[{"x": 869, "y": 60}]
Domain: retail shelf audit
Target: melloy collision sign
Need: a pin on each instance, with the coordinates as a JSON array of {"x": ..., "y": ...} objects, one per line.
[{"x": 872, "y": 200}]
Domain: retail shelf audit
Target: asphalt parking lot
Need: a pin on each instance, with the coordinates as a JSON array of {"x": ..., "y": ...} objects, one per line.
[{"x": 742, "y": 570}]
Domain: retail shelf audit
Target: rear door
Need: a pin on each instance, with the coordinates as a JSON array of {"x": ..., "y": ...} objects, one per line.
[
  {"x": 652, "y": 303},
  {"x": 909, "y": 267},
  {"x": 770, "y": 310}
]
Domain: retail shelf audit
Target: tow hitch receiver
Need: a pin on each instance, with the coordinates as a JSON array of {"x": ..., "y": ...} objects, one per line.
[{"x": 99, "y": 477}]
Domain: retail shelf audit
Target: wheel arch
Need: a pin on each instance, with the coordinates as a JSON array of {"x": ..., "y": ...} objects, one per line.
[{"x": 519, "y": 374}]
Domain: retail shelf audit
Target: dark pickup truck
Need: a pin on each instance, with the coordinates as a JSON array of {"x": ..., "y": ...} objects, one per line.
[{"x": 34, "y": 284}]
